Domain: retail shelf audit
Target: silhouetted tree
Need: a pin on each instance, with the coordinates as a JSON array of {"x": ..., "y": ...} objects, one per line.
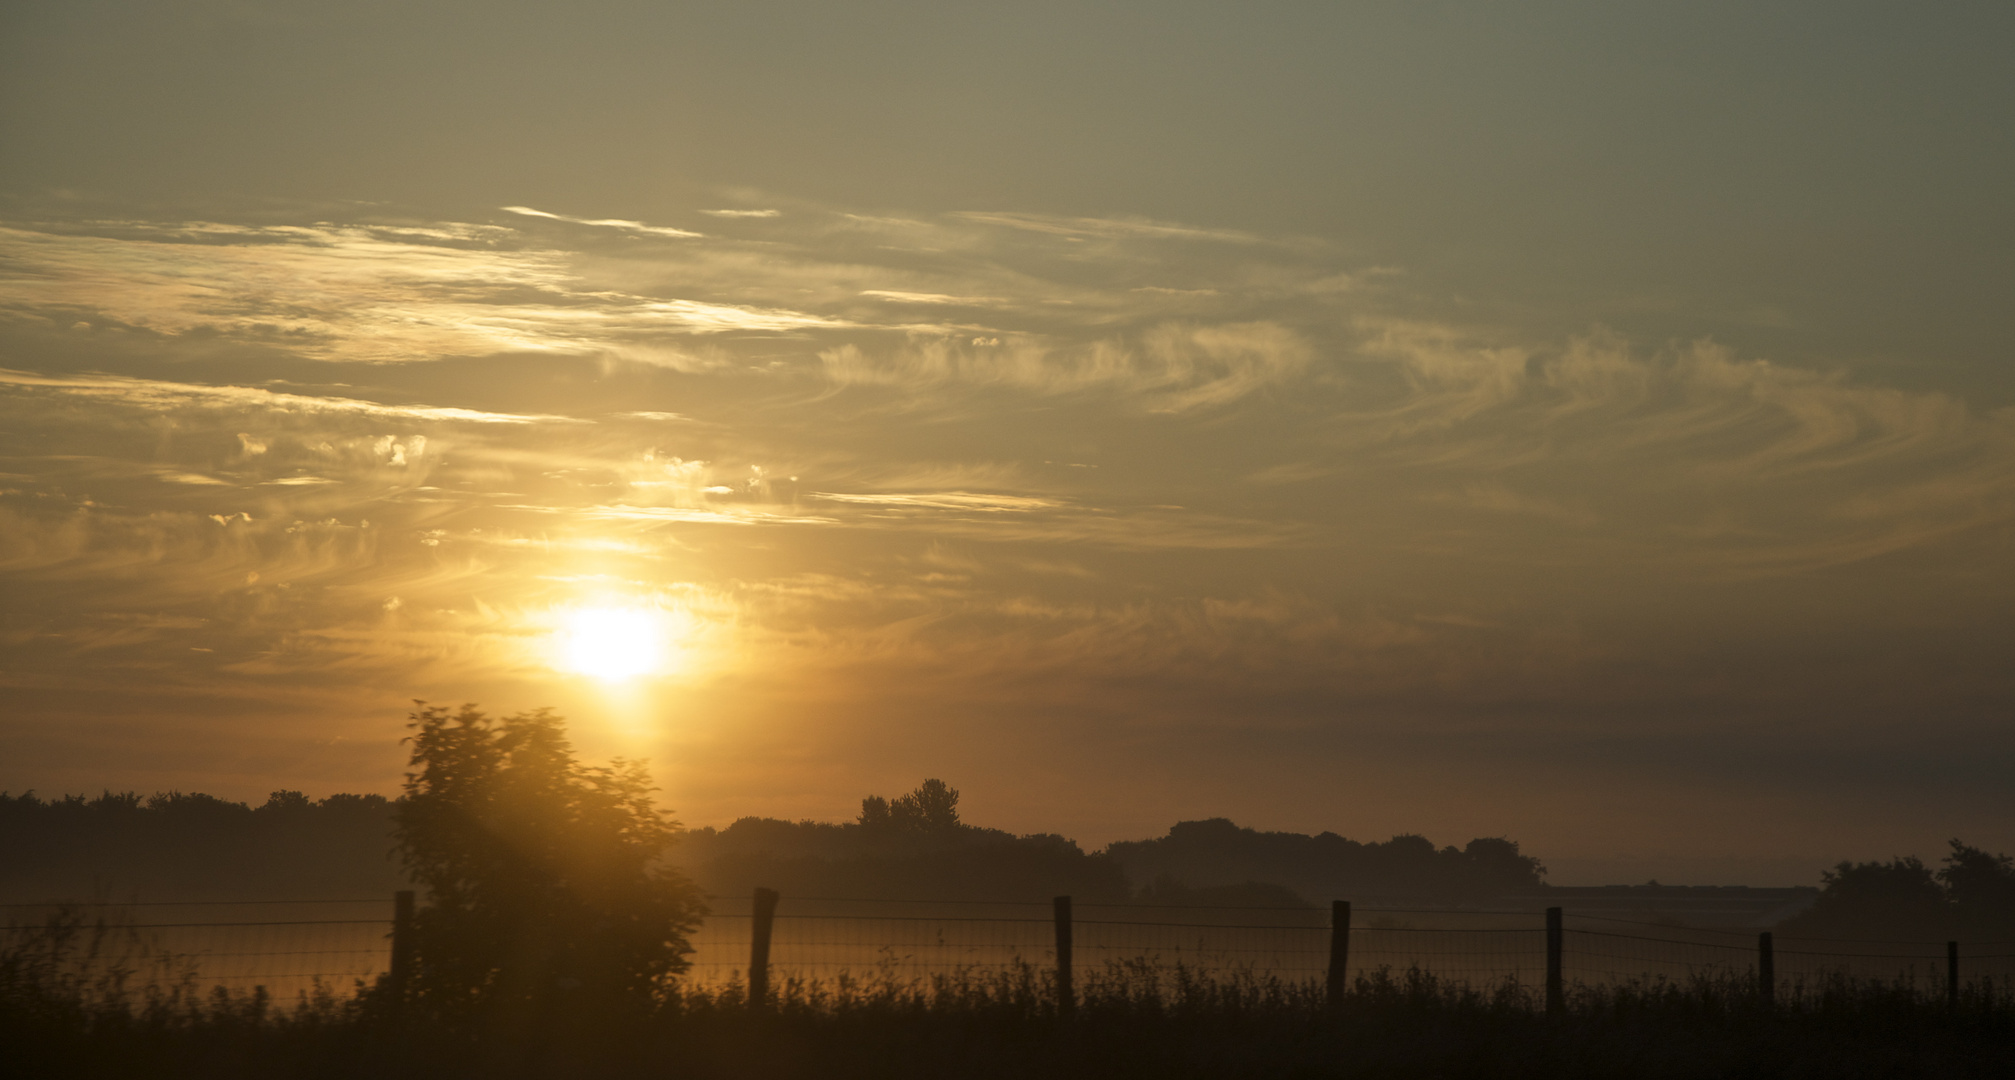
[
  {"x": 910, "y": 847},
  {"x": 1973, "y": 896},
  {"x": 1981, "y": 889},
  {"x": 542, "y": 878},
  {"x": 932, "y": 808},
  {"x": 287, "y": 802},
  {"x": 176, "y": 846},
  {"x": 1973, "y": 877},
  {"x": 1217, "y": 852},
  {"x": 874, "y": 812}
]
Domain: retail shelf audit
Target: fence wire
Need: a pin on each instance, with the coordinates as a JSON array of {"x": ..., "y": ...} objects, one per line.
[
  {"x": 295, "y": 947},
  {"x": 287, "y": 947}
]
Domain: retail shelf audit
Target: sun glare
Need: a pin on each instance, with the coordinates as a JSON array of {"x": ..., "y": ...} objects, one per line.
[{"x": 613, "y": 643}]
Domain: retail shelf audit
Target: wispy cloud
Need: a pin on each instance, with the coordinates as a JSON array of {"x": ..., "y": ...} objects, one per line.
[
  {"x": 604, "y": 223},
  {"x": 1822, "y": 470},
  {"x": 157, "y": 394},
  {"x": 929, "y": 298},
  {"x": 1106, "y": 228},
  {"x": 1171, "y": 368},
  {"x": 945, "y": 500},
  {"x": 727, "y": 515},
  {"x": 970, "y": 448},
  {"x": 357, "y": 294}
]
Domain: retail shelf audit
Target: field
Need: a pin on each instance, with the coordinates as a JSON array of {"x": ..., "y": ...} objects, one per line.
[{"x": 971, "y": 990}]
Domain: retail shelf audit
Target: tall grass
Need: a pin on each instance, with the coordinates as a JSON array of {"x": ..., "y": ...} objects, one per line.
[{"x": 83, "y": 997}]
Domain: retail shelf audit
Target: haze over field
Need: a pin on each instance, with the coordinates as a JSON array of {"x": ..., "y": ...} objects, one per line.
[{"x": 1587, "y": 425}]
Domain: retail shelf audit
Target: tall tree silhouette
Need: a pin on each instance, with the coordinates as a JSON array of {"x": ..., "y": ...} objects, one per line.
[
  {"x": 542, "y": 878},
  {"x": 932, "y": 808}
]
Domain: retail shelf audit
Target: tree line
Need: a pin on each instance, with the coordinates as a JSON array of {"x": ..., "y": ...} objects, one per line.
[
  {"x": 549, "y": 883},
  {"x": 1970, "y": 897}
]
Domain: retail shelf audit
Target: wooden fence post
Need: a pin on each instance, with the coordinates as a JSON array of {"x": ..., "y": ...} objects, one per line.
[
  {"x": 1766, "y": 969},
  {"x": 762, "y": 918},
  {"x": 1556, "y": 994},
  {"x": 1952, "y": 974},
  {"x": 1066, "y": 998},
  {"x": 1339, "y": 951},
  {"x": 401, "y": 973}
]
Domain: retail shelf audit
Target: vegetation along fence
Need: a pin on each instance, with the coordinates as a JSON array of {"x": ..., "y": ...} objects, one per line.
[{"x": 308, "y": 946}]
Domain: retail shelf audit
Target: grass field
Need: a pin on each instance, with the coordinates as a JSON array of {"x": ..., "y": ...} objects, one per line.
[{"x": 1131, "y": 1020}]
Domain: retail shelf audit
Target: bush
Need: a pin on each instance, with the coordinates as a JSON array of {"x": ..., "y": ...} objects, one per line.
[{"x": 544, "y": 894}]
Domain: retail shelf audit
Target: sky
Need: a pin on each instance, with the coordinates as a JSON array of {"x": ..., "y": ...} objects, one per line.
[{"x": 1586, "y": 423}]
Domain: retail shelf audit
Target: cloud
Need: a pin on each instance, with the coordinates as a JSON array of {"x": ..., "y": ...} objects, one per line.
[
  {"x": 383, "y": 293},
  {"x": 362, "y": 293},
  {"x": 605, "y": 223},
  {"x": 1296, "y": 491},
  {"x": 945, "y": 500},
  {"x": 154, "y": 394},
  {"x": 929, "y": 298},
  {"x": 1205, "y": 366},
  {"x": 715, "y": 318},
  {"x": 726, "y": 515},
  {"x": 1804, "y": 469},
  {"x": 1170, "y": 368},
  {"x": 1105, "y": 228},
  {"x": 743, "y": 213}
]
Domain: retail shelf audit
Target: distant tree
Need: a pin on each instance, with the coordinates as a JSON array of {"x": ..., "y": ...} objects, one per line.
[
  {"x": 932, "y": 808},
  {"x": 1216, "y": 852},
  {"x": 194, "y": 846},
  {"x": 911, "y": 847},
  {"x": 286, "y": 802},
  {"x": 1981, "y": 889},
  {"x": 542, "y": 875},
  {"x": 874, "y": 812},
  {"x": 1872, "y": 899},
  {"x": 1497, "y": 861}
]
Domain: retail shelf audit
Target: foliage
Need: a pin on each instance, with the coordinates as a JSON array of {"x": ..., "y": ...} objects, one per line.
[
  {"x": 1217, "y": 852},
  {"x": 77, "y": 964},
  {"x": 913, "y": 847},
  {"x": 916, "y": 845},
  {"x": 1971, "y": 898},
  {"x": 1135, "y": 1019},
  {"x": 932, "y": 808},
  {"x": 544, "y": 886},
  {"x": 193, "y": 846},
  {"x": 1981, "y": 889}
]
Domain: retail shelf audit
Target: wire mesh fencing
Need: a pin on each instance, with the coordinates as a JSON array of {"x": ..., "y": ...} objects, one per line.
[
  {"x": 287, "y": 947},
  {"x": 294, "y": 947},
  {"x": 824, "y": 938},
  {"x": 1607, "y": 949}
]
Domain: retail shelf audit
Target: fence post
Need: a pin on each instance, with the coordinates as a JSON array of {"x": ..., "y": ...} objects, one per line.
[
  {"x": 1339, "y": 951},
  {"x": 762, "y": 917},
  {"x": 401, "y": 972},
  {"x": 1066, "y": 999},
  {"x": 1952, "y": 974},
  {"x": 1556, "y": 996},
  {"x": 1766, "y": 969}
]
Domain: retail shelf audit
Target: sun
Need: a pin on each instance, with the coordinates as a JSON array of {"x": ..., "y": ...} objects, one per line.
[{"x": 612, "y": 643}]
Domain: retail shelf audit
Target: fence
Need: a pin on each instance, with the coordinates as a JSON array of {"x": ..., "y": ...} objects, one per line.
[
  {"x": 286, "y": 946},
  {"x": 291, "y": 947}
]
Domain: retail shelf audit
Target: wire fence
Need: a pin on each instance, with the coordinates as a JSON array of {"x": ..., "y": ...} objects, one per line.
[
  {"x": 289, "y": 947},
  {"x": 295, "y": 947}
]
